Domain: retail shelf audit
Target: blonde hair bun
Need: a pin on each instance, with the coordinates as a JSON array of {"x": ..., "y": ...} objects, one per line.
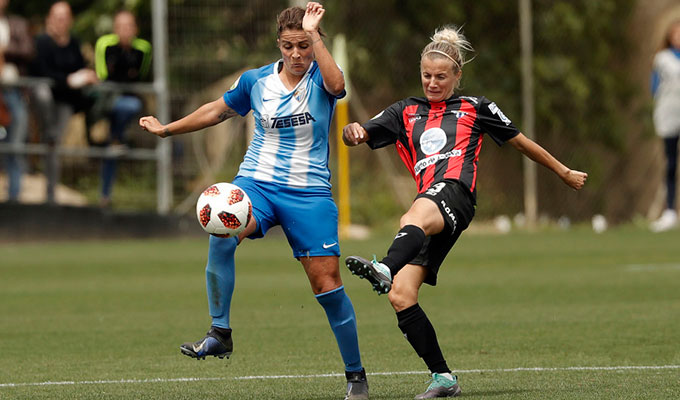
[
  {"x": 446, "y": 34},
  {"x": 448, "y": 41}
]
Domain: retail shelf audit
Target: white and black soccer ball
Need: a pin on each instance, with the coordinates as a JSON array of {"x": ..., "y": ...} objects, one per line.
[{"x": 223, "y": 210}]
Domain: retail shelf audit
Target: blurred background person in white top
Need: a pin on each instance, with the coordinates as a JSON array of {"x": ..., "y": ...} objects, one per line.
[{"x": 666, "y": 91}]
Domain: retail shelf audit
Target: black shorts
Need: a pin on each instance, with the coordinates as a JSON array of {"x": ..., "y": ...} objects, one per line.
[{"x": 457, "y": 206}]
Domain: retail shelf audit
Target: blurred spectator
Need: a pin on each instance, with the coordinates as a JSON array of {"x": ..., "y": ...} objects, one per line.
[
  {"x": 16, "y": 51},
  {"x": 58, "y": 57},
  {"x": 666, "y": 91},
  {"x": 120, "y": 57}
]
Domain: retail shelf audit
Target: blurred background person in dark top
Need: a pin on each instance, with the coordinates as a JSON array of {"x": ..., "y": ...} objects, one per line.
[
  {"x": 120, "y": 57},
  {"x": 58, "y": 56},
  {"x": 16, "y": 50}
]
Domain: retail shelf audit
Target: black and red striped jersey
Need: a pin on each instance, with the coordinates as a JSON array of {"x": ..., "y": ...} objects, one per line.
[{"x": 440, "y": 140}]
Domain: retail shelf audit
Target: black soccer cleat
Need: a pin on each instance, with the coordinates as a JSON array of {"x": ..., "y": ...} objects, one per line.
[
  {"x": 215, "y": 343},
  {"x": 357, "y": 385}
]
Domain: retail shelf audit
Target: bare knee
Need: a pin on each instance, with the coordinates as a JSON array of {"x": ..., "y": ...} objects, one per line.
[
  {"x": 326, "y": 284},
  {"x": 323, "y": 273},
  {"x": 408, "y": 219},
  {"x": 401, "y": 299}
]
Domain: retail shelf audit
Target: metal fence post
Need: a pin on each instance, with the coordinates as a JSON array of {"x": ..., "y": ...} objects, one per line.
[
  {"x": 528, "y": 112},
  {"x": 164, "y": 146}
]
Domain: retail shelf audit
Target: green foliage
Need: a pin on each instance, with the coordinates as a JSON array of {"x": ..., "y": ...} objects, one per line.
[
  {"x": 581, "y": 58},
  {"x": 580, "y": 71}
]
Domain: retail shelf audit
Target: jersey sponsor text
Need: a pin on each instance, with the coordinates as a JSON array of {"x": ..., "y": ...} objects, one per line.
[
  {"x": 292, "y": 120},
  {"x": 426, "y": 162},
  {"x": 497, "y": 111}
]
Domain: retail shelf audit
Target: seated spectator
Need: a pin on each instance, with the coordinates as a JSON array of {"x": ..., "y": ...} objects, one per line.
[
  {"x": 58, "y": 57},
  {"x": 120, "y": 57},
  {"x": 16, "y": 50}
]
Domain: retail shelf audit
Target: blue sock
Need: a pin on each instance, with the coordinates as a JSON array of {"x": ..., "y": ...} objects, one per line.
[
  {"x": 343, "y": 321},
  {"x": 220, "y": 276}
]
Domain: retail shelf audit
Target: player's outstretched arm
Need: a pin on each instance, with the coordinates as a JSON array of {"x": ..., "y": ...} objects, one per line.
[
  {"x": 333, "y": 80},
  {"x": 207, "y": 115},
  {"x": 572, "y": 178},
  {"x": 354, "y": 134}
]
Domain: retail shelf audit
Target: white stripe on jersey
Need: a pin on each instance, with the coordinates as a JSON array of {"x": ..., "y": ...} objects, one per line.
[{"x": 290, "y": 145}]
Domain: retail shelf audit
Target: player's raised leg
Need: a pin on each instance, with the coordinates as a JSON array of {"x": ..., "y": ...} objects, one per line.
[
  {"x": 422, "y": 216},
  {"x": 220, "y": 278}
]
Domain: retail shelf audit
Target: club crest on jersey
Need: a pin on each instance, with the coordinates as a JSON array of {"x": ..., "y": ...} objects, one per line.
[
  {"x": 432, "y": 140},
  {"x": 292, "y": 120},
  {"x": 459, "y": 114},
  {"x": 299, "y": 94},
  {"x": 264, "y": 120},
  {"x": 497, "y": 111}
]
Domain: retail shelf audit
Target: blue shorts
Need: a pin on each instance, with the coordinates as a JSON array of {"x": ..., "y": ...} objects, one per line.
[{"x": 309, "y": 217}]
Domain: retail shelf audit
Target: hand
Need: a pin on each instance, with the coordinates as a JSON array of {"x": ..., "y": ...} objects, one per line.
[
  {"x": 313, "y": 15},
  {"x": 82, "y": 77},
  {"x": 151, "y": 124},
  {"x": 354, "y": 134},
  {"x": 91, "y": 76},
  {"x": 575, "y": 179}
]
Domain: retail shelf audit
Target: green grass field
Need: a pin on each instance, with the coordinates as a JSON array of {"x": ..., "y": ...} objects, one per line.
[{"x": 550, "y": 315}]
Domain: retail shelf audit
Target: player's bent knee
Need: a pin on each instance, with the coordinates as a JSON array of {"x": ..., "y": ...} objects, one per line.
[
  {"x": 408, "y": 219},
  {"x": 400, "y": 300},
  {"x": 325, "y": 286},
  {"x": 323, "y": 273}
]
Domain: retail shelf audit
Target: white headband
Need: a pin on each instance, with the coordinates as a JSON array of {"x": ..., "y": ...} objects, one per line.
[{"x": 442, "y": 53}]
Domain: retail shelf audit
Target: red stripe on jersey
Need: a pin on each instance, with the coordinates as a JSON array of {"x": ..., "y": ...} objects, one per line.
[
  {"x": 434, "y": 120},
  {"x": 463, "y": 134},
  {"x": 408, "y": 156},
  {"x": 474, "y": 164}
]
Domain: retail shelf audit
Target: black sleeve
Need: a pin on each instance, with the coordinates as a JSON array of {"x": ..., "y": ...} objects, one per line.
[
  {"x": 43, "y": 62},
  {"x": 49, "y": 60},
  {"x": 384, "y": 129},
  {"x": 493, "y": 122}
]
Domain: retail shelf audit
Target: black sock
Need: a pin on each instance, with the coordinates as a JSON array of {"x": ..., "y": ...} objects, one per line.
[
  {"x": 404, "y": 248},
  {"x": 223, "y": 333},
  {"x": 421, "y": 335}
]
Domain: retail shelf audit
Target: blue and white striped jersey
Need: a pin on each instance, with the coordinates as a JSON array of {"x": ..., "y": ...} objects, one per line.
[{"x": 290, "y": 146}]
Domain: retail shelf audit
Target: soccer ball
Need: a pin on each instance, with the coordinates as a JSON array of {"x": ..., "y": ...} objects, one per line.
[{"x": 224, "y": 210}]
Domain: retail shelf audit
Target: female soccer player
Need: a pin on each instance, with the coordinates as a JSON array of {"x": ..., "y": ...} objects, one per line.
[
  {"x": 285, "y": 173},
  {"x": 438, "y": 138}
]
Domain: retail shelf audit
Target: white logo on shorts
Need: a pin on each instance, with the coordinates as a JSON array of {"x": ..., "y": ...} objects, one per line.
[
  {"x": 450, "y": 213},
  {"x": 328, "y": 246},
  {"x": 434, "y": 190}
]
